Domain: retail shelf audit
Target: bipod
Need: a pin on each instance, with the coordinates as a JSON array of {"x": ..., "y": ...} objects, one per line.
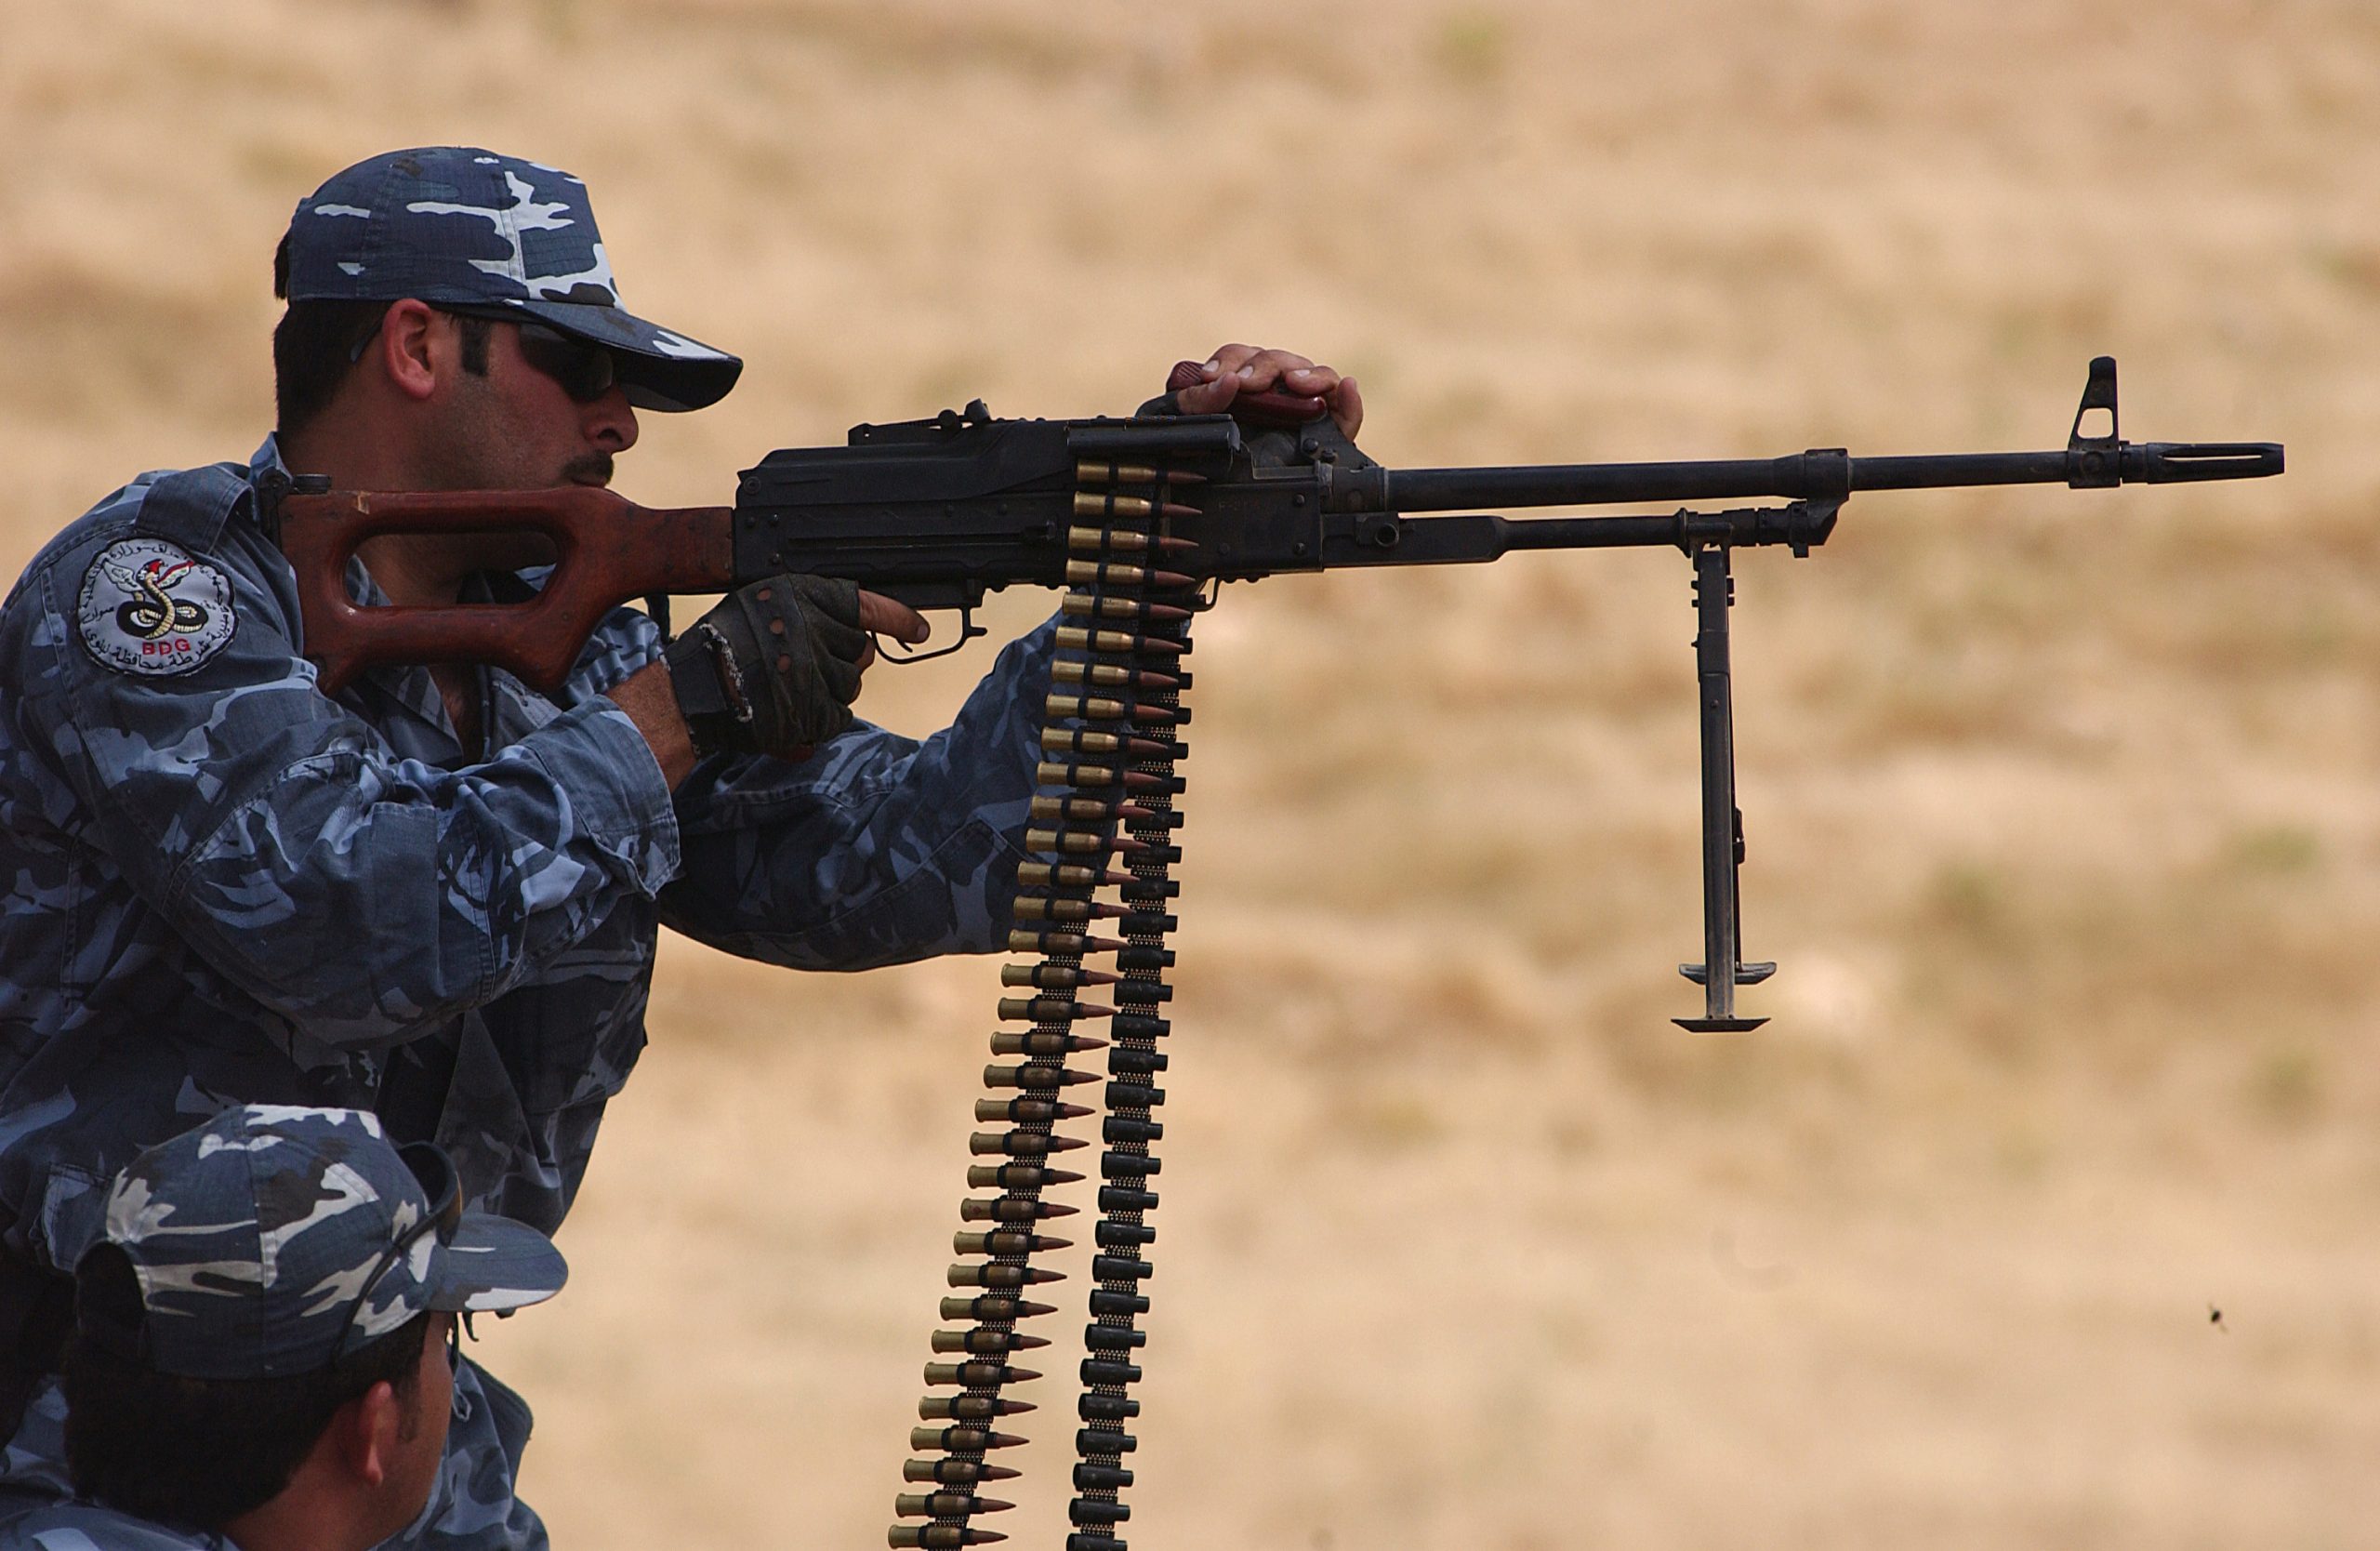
[{"x": 1709, "y": 540}]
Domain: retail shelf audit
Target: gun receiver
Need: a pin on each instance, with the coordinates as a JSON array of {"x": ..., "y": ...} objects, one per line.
[{"x": 938, "y": 512}]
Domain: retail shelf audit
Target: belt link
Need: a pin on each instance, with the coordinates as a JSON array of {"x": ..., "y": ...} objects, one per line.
[{"x": 1114, "y": 711}]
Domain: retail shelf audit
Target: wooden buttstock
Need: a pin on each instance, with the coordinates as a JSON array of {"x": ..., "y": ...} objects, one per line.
[{"x": 607, "y": 551}]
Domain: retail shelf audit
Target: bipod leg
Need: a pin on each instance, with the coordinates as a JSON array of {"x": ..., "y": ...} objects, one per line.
[{"x": 1722, "y": 968}]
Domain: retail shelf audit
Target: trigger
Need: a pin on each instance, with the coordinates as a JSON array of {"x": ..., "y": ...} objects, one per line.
[{"x": 902, "y": 651}]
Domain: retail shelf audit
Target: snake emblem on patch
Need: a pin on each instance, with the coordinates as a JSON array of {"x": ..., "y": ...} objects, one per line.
[{"x": 150, "y": 608}]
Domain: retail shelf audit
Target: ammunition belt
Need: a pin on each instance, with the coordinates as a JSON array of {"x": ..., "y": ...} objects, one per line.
[{"x": 1103, "y": 835}]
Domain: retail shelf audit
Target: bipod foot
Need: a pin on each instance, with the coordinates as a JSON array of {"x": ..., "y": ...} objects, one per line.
[{"x": 1718, "y": 1025}]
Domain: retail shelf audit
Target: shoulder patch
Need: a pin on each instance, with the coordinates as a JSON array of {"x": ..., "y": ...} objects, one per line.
[{"x": 149, "y": 608}]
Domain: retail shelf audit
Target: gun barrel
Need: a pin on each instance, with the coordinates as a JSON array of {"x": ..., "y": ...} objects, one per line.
[{"x": 1819, "y": 472}]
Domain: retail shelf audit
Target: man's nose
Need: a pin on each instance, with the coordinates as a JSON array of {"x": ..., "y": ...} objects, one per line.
[{"x": 610, "y": 423}]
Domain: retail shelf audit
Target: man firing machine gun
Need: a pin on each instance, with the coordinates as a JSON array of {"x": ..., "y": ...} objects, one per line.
[{"x": 1138, "y": 520}]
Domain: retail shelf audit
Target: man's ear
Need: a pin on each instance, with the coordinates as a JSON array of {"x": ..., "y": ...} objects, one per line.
[
  {"x": 363, "y": 1434},
  {"x": 410, "y": 349}
]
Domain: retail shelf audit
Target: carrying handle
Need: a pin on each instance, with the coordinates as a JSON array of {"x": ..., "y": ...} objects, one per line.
[{"x": 1262, "y": 411}]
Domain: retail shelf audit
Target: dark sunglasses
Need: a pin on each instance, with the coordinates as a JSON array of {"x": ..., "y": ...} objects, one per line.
[
  {"x": 444, "y": 1188},
  {"x": 585, "y": 372}
]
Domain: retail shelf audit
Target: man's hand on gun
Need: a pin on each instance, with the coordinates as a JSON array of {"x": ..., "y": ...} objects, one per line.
[
  {"x": 774, "y": 667},
  {"x": 1235, "y": 369}
]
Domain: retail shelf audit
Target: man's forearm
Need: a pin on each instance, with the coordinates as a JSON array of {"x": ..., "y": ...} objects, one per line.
[{"x": 652, "y": 704}]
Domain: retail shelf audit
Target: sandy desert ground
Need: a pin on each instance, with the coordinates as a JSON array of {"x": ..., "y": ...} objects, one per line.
[{"x": 2061, "y": 805}]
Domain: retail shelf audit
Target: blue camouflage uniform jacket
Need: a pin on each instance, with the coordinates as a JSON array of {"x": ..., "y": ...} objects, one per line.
[
  {"x": 90, "y": 1527},
  {"x": 224, "y": 887}
]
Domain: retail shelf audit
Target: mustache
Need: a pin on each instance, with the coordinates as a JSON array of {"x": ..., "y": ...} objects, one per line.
[{"x": 589, "y": 469}]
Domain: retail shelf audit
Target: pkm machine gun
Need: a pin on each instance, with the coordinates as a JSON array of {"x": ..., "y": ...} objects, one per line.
[
  {"x": 938, "y": 512},
  {"x": 1137, "y": 519}
]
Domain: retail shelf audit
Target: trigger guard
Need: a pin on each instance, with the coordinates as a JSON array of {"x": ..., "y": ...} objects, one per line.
[{"x": 968, "y": 630}]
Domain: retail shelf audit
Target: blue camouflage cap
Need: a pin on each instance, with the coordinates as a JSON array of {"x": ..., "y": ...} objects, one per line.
[
  {"x": 274, "y": 1240},
  {"x": 458, "y": 226}
]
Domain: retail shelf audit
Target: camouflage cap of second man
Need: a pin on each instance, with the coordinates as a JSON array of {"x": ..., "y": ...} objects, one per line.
[
  {"x": 453, "y": 225},
  {"x": 273, "y": 1240}
]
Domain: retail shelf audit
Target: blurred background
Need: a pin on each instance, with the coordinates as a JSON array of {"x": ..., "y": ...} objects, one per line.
[{"x": 2060, "y": 805}]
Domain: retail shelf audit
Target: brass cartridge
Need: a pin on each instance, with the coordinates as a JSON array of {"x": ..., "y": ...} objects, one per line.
[
  {"x": 1063, "y": 876},
  {"x": 983, "y": 1340},
  {"x": 1092, "y": 605},
  {"x": 1053, "y": 774},
  {"x": 1087, "y": 471},
  {"x": 1119, "y": 642},
  {"x": 990, "y": 1305},
  {"x": 1063, "y": 740},
  {"x": 1041, "y": 1076},
  {"x": 1100, "y": 675},
  {"x": 1074, "y": 944},
  {"x": 1027, "y": 1111},
  {"x": 948, "y": 1472},
  {"x": 1070, "y": 842},
  {"x": 1021, "y": 1143},
  {"x": 968, "y": 1408},
  {"x": 977, "y": 1375},
  {"x": 1014, "y": 1176},
  {"x": 1058, "y": 909},
  {"x": 1083, "y": 810},
  {"x": 1000, "y": 1277},
  {"x": 1043, "y": 1009},
  {"x": 946, "y": 1504},
  {"x": 1054, "y": 976},
  {"x": 1089, "y": 504},
  {"x": 939, "y": 1537},
  {"x": 1108, "y": 708},
  {"x": 1005, "y": 1242},
  {"x": 1118, "y": 541},
  {"x": 1008, "y": 1209},
  {"x": 961, "y": 1441},
  {"x": 1011, "y": 1041},
  {"x": 1050, "y": 773}
]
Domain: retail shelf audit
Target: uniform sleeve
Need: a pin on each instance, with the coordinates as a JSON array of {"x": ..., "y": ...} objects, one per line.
[
  {"x": 880, "y": 849},
  {"x": 364, "y": 895}
]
